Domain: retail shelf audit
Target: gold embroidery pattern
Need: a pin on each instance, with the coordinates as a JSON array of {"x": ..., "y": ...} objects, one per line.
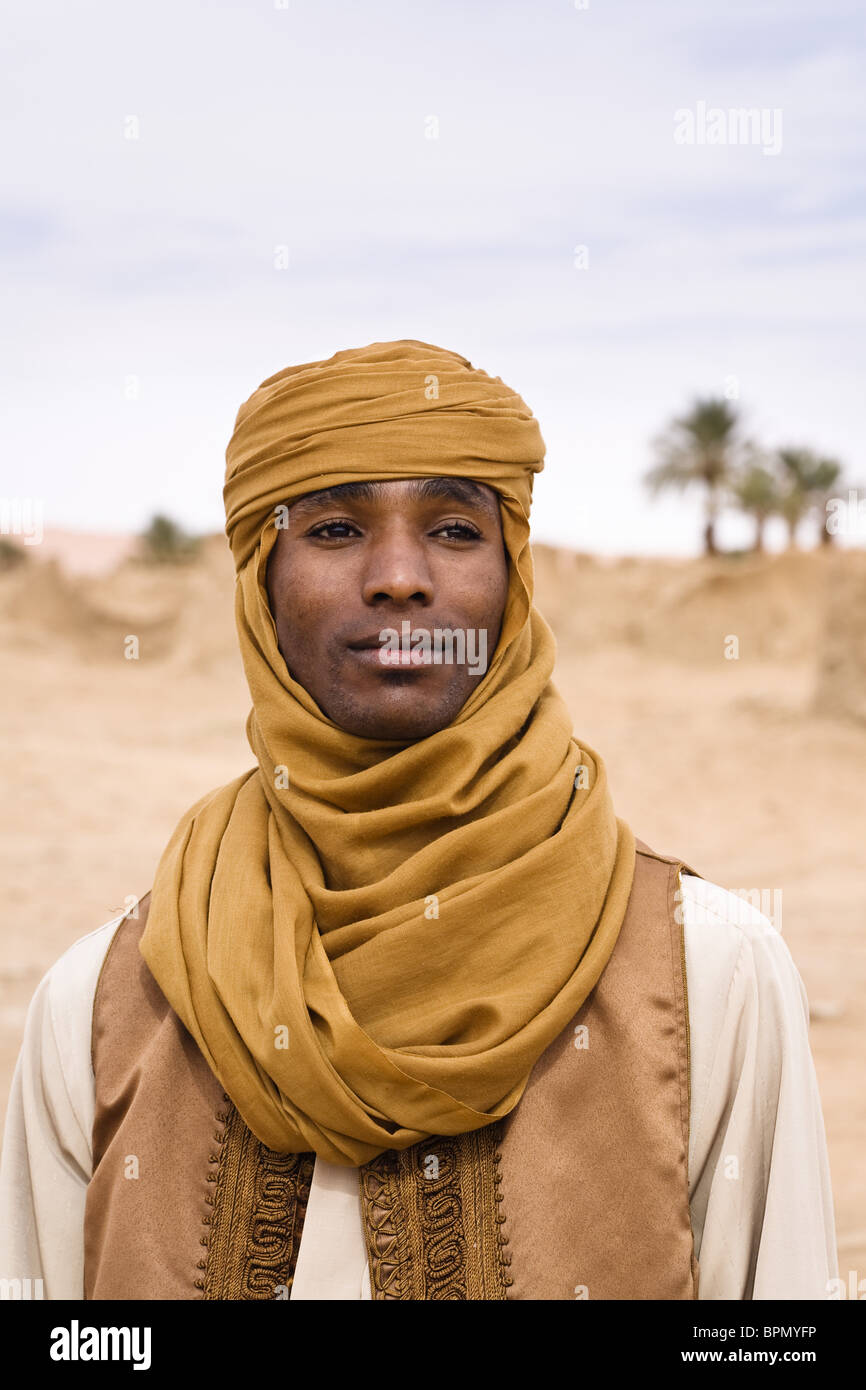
[
  {"x": 432, "y": 1220},
  {"x": 259, "y": 1201}
]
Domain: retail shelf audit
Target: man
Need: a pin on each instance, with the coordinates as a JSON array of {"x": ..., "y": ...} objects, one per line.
[{"x": 409, "y": 1014}]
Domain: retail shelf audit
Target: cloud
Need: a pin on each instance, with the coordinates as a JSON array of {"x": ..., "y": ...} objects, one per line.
[{"x": 307, "y": 129}]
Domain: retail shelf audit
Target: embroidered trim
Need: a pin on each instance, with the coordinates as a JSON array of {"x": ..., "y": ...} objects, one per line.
[
  {"x": 259, "y": 1202},
  {"x": 432, "y": 1220}
]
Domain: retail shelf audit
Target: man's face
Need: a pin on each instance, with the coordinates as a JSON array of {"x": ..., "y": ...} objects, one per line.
[{"x": 364, "y": 557}]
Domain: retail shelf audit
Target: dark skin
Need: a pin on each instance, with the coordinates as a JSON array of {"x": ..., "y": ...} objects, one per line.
[{"x": 365, "y": 556}]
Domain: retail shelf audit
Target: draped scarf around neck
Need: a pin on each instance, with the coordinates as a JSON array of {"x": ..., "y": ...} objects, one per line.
[{"x": 373, "y": 942}]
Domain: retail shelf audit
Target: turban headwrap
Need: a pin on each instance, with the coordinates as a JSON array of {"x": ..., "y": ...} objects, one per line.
[{"x": 376, "y": 946}]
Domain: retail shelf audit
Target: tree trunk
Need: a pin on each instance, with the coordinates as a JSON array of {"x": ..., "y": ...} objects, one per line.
[
  {"x": 760, "y": 523},
  {"x": 711, "y": 513}
]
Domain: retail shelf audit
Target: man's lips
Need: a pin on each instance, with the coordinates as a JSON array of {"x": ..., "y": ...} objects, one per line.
[
  {"x": 373, "y": 651},
  {"x": 388, "y": 660}
]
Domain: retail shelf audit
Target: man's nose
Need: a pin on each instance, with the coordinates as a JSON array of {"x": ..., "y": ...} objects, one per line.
[{"x": 396, "y": 569}]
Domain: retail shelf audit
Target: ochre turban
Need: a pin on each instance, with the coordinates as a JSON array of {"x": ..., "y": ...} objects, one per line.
[{"x": 291, "y": 925}]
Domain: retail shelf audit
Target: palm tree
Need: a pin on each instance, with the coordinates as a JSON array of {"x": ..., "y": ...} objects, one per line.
[
  {"x": 757, "y": 491},
  {"x": 797, "y": 464},
  {"x": 810, "y": 481},
  {"x": 699, "y": 448}
]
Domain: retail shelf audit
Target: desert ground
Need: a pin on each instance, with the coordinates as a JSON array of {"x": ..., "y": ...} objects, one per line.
[{"x": 750, "y": 766}]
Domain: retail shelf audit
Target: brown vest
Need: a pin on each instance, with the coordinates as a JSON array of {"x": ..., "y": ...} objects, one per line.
[{"x": 580, "y": 1192}]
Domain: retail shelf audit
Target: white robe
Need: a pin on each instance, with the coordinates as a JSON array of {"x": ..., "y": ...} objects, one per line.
[{"x": 759, "y": 1182}]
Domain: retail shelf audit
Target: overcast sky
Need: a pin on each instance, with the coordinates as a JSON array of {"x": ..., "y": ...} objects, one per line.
[{"x": 148, "y": 264}]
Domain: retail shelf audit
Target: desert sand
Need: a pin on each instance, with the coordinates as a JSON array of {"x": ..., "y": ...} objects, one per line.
[{"x": 750, "y": 767}]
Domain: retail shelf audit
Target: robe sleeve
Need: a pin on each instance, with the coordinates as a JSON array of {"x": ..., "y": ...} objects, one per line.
[
  {"x": 46, "y": 1159},
  {"x": 760, "y": 1196},
  {"x": 761, "y": 1200}
]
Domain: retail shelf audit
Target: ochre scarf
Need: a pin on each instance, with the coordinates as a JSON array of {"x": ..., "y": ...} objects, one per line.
[{"x": 380, "y": 950}]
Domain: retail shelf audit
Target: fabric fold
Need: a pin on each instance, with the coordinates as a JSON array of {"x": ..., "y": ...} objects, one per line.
[{"x": 381, "y": 949}]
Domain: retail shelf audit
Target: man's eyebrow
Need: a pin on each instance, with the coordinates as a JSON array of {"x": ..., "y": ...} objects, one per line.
[{"x": 460, "y": 489}]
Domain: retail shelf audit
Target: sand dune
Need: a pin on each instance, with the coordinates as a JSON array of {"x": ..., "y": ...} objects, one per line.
[{"x": 750, "y": 767}]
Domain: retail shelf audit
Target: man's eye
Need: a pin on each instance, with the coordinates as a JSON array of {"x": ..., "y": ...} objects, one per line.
[
  {"x": 332, "y": 530},
  {"x": 460, "y": 530}
]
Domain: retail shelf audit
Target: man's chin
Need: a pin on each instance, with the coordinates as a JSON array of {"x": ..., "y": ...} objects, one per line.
[{"x": 401, "y": 713}]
